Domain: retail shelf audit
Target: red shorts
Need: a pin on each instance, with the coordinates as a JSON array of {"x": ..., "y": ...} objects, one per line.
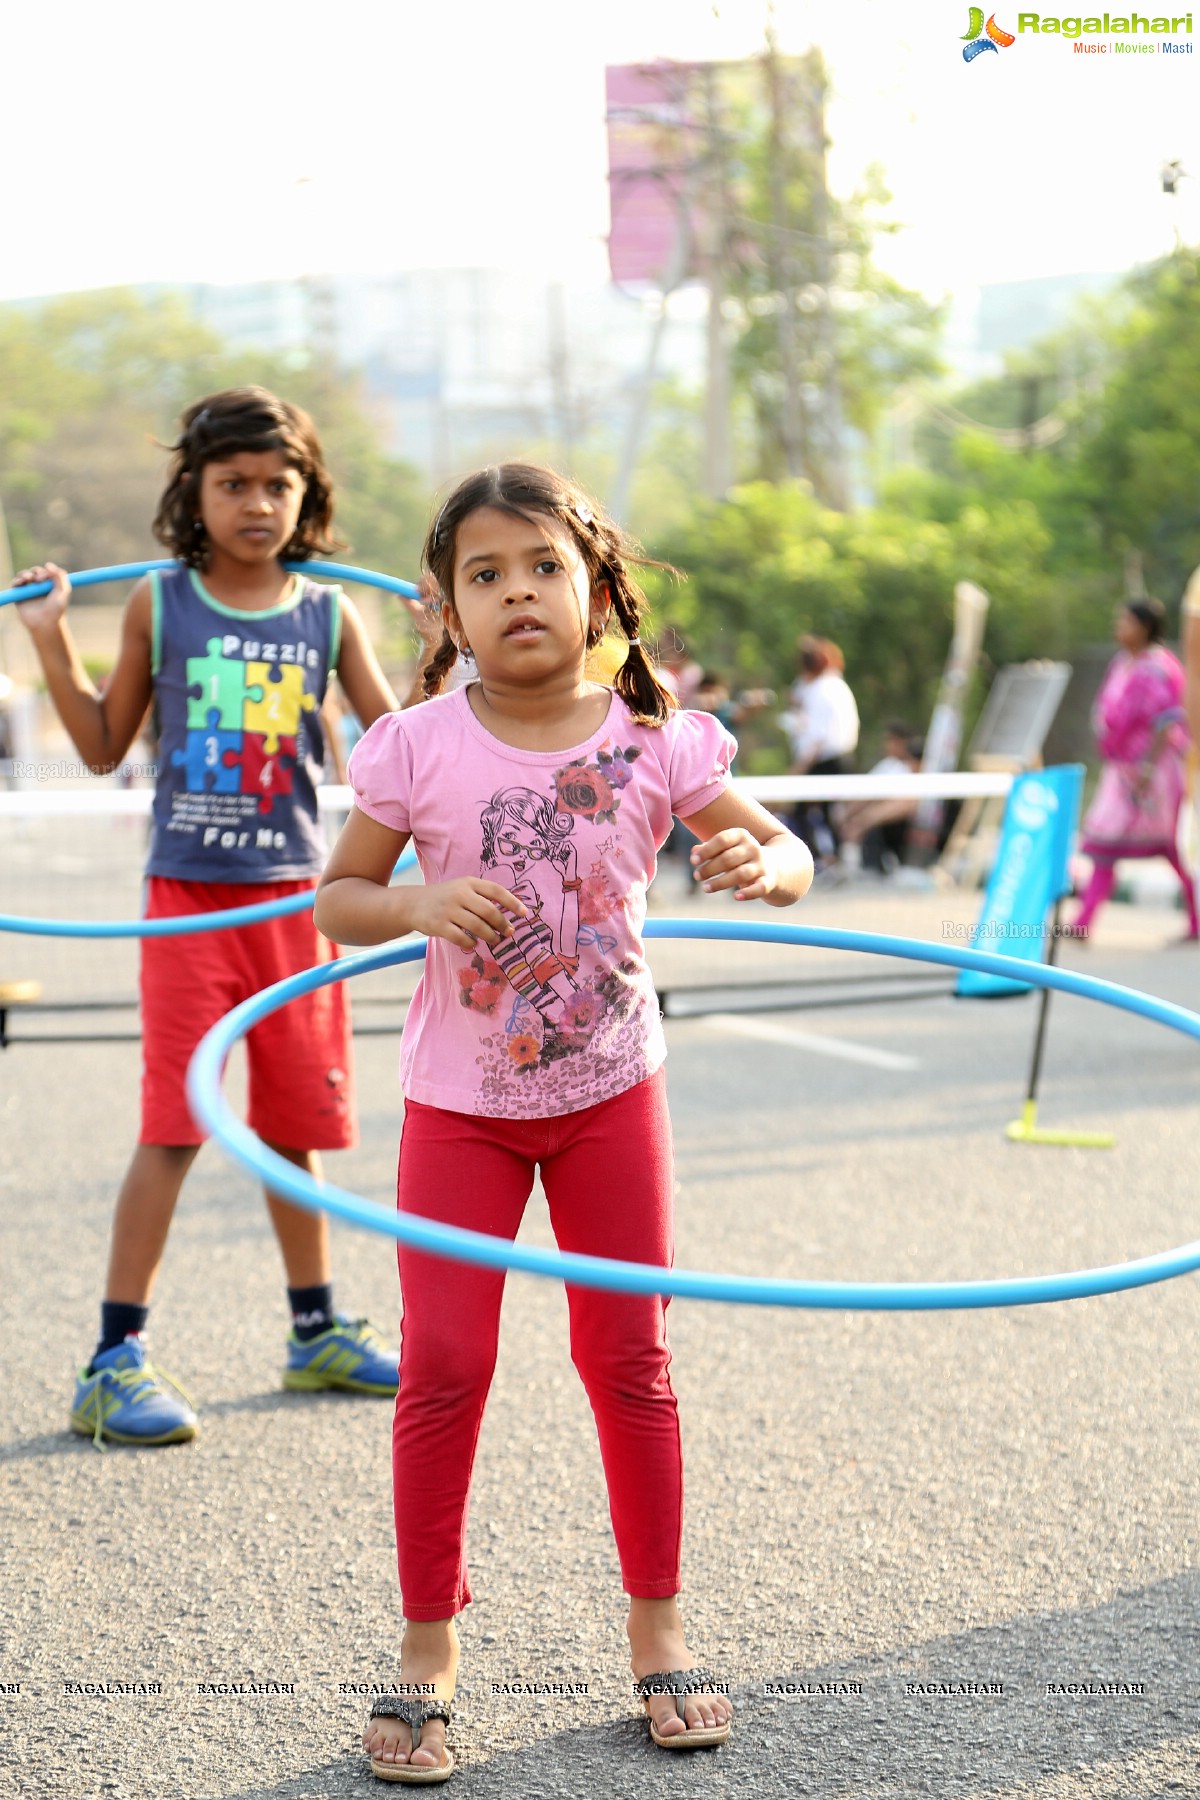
[{"x": 301, "y": 1091}]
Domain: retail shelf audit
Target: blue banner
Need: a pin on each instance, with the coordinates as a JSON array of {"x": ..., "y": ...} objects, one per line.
[{"x": 1029, "y": 874}]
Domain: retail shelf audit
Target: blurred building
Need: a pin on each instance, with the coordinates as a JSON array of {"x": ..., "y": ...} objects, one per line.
[
  {"x": 987, "y": 323},
  {"x": 458, "y": 362}
]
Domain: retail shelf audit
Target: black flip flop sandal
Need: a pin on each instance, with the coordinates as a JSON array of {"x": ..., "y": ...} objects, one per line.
[
  {"x": 416, "y": 1715},
  {"x": 681, "y": 1683}
]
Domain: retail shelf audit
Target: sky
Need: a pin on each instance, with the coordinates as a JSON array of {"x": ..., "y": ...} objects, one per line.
[{"x": 148, "y": 142}]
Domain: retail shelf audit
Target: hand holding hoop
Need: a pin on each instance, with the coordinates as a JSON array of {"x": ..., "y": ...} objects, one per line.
[{"x": 46, "y": 601}]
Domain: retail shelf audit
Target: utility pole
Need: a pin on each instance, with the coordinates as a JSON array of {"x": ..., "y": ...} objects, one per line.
[
  {"x": 718, "y": 457},
  {"x": 831, "y": 391},
  {"x": 1172, "y": 174},
  {"x": 560, "y": 385},
  {"x": 681, "y": 179},
  {"x": 680, "y": 254},
  {"x": 1031, "y": 386},
  {"x": 779, "y": 256}
]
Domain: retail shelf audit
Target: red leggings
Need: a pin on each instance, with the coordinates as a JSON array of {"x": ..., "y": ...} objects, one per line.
[{"x": 608, "y": 1174}]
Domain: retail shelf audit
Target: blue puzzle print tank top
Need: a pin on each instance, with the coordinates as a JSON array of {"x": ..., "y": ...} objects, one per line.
[{"x": 241, "y": 750}]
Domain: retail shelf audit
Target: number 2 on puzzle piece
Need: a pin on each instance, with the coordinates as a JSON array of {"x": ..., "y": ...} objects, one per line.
[
  {"x": 217, "y": 685},
  {"x": 275, "y": 713},
  {"x": 210, "y": 758},
  {"x": 265, "y": 771}
]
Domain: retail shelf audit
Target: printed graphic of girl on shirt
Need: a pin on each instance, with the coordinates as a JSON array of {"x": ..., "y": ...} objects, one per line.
[{"x": 527, "y": 849}]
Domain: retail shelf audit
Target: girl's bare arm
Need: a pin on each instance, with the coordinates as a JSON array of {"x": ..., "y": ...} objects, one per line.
[
  {"x": 744, "y": 848},
  {"x": 355, "y": 905},
  {"x": 101, "y": 725},
  {"x": 362, "y": 680}
]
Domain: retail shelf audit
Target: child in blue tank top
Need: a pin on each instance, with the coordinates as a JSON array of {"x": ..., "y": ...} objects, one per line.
[{"x": 236, "y": 654}]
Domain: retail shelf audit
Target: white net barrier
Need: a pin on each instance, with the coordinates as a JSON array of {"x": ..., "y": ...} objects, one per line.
[{"x": 77, "y": 851}]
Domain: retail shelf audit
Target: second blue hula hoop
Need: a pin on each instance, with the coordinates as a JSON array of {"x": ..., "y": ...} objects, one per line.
[
  {"x": 184, "y": 925},
  {"x": 193, "y": 923},
  {"x": 210, "y": 1107}
]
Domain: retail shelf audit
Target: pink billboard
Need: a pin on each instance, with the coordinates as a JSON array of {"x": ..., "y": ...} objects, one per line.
[{"x": 654, "y": 142}]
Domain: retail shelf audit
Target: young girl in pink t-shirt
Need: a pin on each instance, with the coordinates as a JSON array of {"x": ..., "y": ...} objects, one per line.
[{"x": 537, "y": 802}]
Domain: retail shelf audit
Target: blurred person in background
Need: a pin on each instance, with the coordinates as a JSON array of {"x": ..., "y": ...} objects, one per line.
[
  {"x": 821, "y": 727},
  {"x": 874, "y": 833},
  {"x": 1141, "y": 735},
  {"x": 713, "y": 696}
]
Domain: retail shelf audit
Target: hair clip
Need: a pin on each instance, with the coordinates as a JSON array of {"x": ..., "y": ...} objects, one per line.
[
  {"x": 634, "y": 642},
  {"x": 583, "y": 512},
  {"x": 437, "y": 525},
  {"x": 201, "y": 418}
]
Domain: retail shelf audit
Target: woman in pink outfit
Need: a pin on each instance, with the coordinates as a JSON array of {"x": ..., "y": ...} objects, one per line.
[{"x": 1141, "y": 733}]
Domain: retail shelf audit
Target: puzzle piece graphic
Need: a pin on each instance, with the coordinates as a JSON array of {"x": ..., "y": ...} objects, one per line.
[
  {"x": 217, "y": 683},
  {"x": 280, "y": 700},
  {"x": 211, "y": 753},
  {"x": 267, "y": 771}
]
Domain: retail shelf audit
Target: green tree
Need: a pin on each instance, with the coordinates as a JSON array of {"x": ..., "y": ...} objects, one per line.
[
  {"x": 1097, "y": 428},
  {"x": 1139, "y": 462},
  {"x": 91, "y": 390},
  {"x": 87, "y": 383},
  {"x": 771, "y": 563}
]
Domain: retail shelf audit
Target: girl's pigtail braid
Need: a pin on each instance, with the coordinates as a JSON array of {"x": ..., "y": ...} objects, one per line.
[
  {"x": 639, "y": 687},
  {"x": 439, "y": 666}
]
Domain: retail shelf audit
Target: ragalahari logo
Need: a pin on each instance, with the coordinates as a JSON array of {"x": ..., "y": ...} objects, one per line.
[{"x": 976, "y": 43}]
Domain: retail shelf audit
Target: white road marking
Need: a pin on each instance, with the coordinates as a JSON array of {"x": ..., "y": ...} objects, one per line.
[{"x": 810, "y": 1040}]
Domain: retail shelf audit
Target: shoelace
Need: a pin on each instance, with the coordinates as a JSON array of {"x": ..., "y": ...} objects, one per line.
[
  {"x": 365, "y": 1332},
  {"x": 142, "y": 1382}
]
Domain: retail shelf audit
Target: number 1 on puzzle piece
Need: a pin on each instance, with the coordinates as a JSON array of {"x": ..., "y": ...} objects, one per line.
[{"x": 217, "y": 690}]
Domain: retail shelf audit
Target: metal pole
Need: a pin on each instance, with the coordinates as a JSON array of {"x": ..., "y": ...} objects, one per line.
[{"x": 1043, "y": 1009}]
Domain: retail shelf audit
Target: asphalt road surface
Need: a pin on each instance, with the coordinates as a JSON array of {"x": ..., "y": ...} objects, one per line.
[{"x": 950, "y": 1553}]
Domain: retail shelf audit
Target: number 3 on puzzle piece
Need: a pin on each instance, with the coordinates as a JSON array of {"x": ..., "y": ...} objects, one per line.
[{"x": 211, "y": 758}]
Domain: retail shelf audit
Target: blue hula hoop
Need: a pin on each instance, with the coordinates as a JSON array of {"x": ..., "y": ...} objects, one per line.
[
  {"x": 185, "y": 925},
  {"x": 34, "y": 590},
  {"x": 209, "y": 1106}
]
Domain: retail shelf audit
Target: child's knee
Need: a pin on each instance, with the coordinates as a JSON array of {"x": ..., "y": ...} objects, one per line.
[
  {"x": 439, "y": 1361},
  {"x": 629, "y": 1369}
]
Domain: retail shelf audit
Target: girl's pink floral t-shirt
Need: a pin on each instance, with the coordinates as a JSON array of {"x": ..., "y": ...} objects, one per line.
[{"x": 563, "y": 1013}]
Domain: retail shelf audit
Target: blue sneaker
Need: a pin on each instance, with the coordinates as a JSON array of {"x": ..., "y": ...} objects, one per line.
[
  {"x": 128, "y": 1400},
  {"x": 351, "y": 1356}
]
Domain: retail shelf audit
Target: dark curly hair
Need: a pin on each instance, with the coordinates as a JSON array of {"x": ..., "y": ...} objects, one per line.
[
  {"x": 529, "y": 491},
  {"x": 1150, "y": 614},
  {"x": 224, "y": 425}
]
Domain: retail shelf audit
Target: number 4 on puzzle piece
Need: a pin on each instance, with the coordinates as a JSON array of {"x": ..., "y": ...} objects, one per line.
[{"x": 267, "y": 771}]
